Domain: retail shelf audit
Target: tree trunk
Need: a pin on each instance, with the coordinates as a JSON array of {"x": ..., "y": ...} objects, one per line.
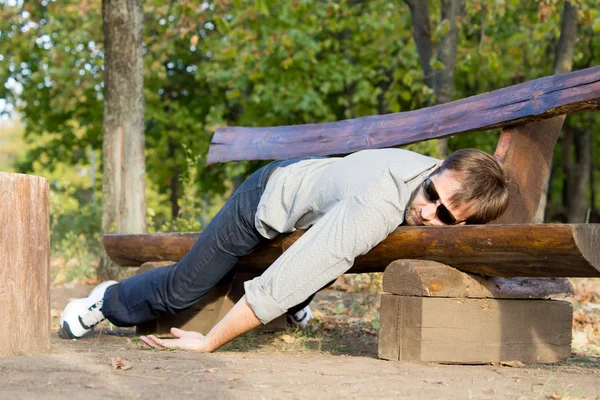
[
  {"x": 578, "y": 175},
  {"x": 443, "y": 79},
  {"x": 563, "y": 62},
  {"x": 440, "y": 80},
  {"x": 123, "y": 187},
  {"x": 174, "y": 184},
  {"x": 422, "y": 36}
]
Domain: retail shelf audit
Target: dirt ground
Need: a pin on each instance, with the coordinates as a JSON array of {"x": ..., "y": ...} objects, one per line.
[{"x": 329, "y": 361}]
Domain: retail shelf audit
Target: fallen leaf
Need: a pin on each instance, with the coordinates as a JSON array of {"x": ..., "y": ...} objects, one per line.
[
  {"x": 119, "y": 363},
  {"x": 288, "y": 339}
]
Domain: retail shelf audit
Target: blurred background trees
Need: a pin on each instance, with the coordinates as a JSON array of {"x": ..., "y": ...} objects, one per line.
[{"x": 267, "y": 62}]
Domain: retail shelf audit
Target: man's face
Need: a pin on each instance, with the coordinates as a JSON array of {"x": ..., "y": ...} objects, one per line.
[{"x": 423, "y": 211}]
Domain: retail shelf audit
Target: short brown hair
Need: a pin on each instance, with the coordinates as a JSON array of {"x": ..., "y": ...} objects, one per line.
[{"x": 484, "y": 184}]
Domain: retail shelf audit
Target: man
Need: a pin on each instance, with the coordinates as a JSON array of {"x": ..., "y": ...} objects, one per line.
[{"x": 350, "y": 205}]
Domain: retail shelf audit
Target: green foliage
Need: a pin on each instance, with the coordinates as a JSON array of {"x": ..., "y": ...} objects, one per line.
[
  {"x": 261, "y": 63},
  {"x": 11, "y": 143}
]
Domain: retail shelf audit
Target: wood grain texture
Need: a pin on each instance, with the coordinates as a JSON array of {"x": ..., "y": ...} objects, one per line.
[
  {"x": 433, "y": 279},
  {"x": 531, "y": 250},
  {"x": 24, "y": 265},
  {"x": 526, "y": 153},
  {"x": 474, "y": 331},
  {"x": 530, "y": 101}
]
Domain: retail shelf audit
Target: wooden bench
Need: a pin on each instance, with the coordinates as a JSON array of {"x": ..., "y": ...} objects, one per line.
[{"x": 445, "y": 300}]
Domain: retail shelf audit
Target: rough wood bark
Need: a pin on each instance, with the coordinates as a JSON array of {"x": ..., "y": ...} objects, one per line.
[
  {"x": 534, "y": 100},
  {"x": 24, "y": 265},
  {"x": 433, "y": 279},
  {"x": 452, "y": 330},
  {"x": 123, "y": 198},
  {"x": 419, "y": 11},
  {"x": 576, "y": 164},
  {"x": 535, "y": 250},
  {"x": 440, "y": 80},
  {"x": 563, "y": 61}
]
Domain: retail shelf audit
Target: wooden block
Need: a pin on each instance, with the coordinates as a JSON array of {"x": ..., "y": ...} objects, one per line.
[
  {"x": 24, "y": 265},
  {"x": 209, "y": 310},
  {"x": 433, "y": 279},
  {"x": 474, "y": 331}
]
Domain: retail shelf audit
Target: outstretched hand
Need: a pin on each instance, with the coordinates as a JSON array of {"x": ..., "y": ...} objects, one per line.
[{"x": 186, "y": 340}]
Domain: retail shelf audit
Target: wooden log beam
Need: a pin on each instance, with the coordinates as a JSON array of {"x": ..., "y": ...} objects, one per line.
[
  {"x": 544, "y": 250},
  {"x": 530, "y": 101},
  {"x": 433, "y": 279}
]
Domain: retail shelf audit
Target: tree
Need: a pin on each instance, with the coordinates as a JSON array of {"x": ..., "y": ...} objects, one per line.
[
  {"x": 441, "y": 77},
  {"x": 563, "y": 62},
  {"x": 123, "y": 187}
]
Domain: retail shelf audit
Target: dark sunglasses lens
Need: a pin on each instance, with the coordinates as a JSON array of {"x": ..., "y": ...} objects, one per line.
[
  {"x": 429, "y": 190},
  {"x": 444, "y": 215}
]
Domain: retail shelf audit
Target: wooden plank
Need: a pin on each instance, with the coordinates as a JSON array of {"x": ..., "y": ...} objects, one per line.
[
  {"x": 24, "y": 265},
  {"x": 434, "y": 279},
  {"x": 526, "y": 153},
  {"x": 534, "y": 250},
  {"x": 473, "y": 331},
  {"x": 534, "y": 100}
]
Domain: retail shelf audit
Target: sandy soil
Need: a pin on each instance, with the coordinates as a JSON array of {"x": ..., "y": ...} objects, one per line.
[{"x": 327, "y": 363}]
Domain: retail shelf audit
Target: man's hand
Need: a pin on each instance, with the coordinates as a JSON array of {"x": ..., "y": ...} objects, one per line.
[{"x": 186, "y": 340}]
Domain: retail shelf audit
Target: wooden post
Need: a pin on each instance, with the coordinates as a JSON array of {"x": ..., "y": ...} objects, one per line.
[{"x": 24, "y": 265}]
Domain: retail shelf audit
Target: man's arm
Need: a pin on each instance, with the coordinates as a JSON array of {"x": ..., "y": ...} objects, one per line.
[{"x": 239, "y": 320}]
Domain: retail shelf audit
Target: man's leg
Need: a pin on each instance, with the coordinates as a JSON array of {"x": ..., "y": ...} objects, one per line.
[{"x": 230, "y": 235}]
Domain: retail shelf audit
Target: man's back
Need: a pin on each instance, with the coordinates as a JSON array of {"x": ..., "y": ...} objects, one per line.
[{"x": 300, "y": 194}]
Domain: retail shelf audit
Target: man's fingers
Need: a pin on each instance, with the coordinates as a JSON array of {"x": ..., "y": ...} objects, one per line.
[
  {"x": 158, "y": 343},
  {"x": 150, "y": 342},
  {"x": 178, "y": 332}
]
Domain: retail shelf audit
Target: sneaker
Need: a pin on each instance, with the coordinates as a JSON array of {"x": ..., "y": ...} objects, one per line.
[
  {"x": 300, "y": 318},
  {"x": 81, "y": 315}
]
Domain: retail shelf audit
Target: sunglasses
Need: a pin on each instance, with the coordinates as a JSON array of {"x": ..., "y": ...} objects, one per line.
[{"x": 441, "y": 212}]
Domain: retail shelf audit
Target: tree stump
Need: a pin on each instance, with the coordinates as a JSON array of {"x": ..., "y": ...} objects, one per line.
[{"x": 24, "y": 265}]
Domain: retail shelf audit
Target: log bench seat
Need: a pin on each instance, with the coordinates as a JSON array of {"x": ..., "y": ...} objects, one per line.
[{"x": 448, "y": 293}]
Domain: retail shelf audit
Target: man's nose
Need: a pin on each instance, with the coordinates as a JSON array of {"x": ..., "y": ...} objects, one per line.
[{"x": 428, "y": 212}]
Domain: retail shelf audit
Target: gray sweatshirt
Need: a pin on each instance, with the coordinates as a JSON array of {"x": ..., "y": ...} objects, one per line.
[{"x": 350, "y": 205}]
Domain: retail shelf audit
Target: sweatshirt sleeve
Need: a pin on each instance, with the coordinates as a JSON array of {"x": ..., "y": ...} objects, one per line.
[{"x": 327, "y": 250}]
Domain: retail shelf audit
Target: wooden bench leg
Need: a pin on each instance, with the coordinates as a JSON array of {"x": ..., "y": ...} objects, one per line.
[
  {"x": 444, "y": 315},
  {"x": 209, "y": 310}
]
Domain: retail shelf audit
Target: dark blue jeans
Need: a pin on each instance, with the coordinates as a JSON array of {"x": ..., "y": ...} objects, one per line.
[{"x": 230, "y": 235}]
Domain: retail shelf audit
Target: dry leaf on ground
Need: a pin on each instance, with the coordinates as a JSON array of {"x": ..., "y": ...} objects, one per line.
[
  {"x": 288, "y": 339},
  {"x": 119, "y": 363}
]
